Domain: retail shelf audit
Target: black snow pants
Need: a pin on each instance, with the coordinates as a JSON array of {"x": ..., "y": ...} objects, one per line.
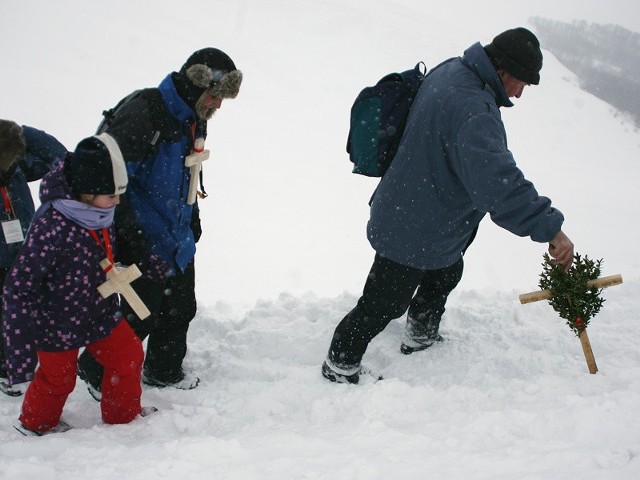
[
  {"x": 173, "y": 305},
  {"x": 388, "y": 293}
]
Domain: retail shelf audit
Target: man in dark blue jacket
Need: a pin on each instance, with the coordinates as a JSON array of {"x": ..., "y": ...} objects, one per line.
[
  {"x": 452, "y": 168},
  {"x": 26, "y": 155},
  {"x": 157, "y": 226}
]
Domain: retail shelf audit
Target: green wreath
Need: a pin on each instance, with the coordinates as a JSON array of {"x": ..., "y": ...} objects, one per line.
[{"x": 572, "y": 298}]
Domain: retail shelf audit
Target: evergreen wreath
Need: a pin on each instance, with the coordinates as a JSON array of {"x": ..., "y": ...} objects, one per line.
[{"x": 572, "y": 298}]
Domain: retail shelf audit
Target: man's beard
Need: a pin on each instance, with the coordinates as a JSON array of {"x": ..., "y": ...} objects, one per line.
[{"x": 204, "y": 113}]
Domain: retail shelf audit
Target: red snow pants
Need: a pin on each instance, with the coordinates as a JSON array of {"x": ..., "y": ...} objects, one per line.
[{"x": 120, "y": 354}]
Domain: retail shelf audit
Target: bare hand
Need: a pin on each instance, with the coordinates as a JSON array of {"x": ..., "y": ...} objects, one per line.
[{"x": 561, "y": 249}]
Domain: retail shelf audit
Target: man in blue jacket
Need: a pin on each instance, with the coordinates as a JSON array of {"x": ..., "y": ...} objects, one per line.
[
  {"x": 26, "y": 155},
  {"x": 157, "y": 227},
  {"x": 452, "y": 168}
]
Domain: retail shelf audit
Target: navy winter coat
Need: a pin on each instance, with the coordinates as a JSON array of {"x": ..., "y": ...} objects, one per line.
[
  {"x": 42, "y": 151},
  {"x": 453, "y": 167}
]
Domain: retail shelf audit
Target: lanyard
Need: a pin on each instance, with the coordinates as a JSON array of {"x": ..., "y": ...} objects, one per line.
[
  {"x": 8, "y": 206},
  {"x": 106, "y": 246}
]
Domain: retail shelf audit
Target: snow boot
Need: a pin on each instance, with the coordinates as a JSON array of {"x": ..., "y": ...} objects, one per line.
[
  {"x": 360, "y": 376},
  {"x": 95, "y": 390},
  {"x": 417, "y": 347},
  {"x": 12, "y": 390},
  {"x": 61, "y": 427},
  {"x": 146, "y": 411},
  {"x": 333, "y": 376},
  {"x": 186, "y": 381}
]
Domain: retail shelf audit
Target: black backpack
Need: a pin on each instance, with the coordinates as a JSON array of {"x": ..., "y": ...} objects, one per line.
[
  {"x": 378, "y": 118},
  {"x": 157, "y": 111},
  {"x": 153, "y": 99},
  {"x": 109, "y": 114}
]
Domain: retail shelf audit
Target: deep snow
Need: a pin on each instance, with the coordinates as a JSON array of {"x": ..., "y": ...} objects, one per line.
[{"x": 284, "y": 254}]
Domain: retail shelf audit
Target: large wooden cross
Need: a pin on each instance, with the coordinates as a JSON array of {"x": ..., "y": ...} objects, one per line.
[
  {"x": 584, "y": 338},
  {"x": 194, "y": 162},
  {"x": 118, "y": 281}
]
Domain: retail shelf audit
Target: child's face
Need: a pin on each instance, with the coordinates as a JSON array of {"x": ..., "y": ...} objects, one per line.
[{"x": 100, "y": 201}]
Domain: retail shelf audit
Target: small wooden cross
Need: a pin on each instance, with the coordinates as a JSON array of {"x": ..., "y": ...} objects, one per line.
[
  {"x": 584, "y": 338},
  {"x": 194, "y": 162},
  {"x": 118, "y": 281}
]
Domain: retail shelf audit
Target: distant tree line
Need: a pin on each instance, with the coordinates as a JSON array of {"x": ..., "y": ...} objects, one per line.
[{"x": 605, "y": 58}]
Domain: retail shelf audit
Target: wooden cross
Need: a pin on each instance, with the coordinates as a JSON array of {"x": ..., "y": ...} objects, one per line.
[
  {"x": 194, "y": 162},
  {"x": 584, "y": 338},
  {"x": 118, "y": 281}
]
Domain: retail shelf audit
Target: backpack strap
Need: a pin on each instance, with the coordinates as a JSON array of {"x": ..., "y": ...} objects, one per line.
[{"x": 108, "y": 115}]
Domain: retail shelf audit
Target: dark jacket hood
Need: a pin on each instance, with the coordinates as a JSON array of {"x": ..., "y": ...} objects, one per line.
[
  {"x": 477, "y": 60},
  {"x": 55, "y": 184}
]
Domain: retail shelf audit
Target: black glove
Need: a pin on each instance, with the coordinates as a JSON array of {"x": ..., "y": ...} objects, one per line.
[{"x": 196, "y": 227}]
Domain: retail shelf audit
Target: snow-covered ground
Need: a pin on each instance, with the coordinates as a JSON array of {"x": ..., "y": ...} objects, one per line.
[{"x": 284, "y": 254}]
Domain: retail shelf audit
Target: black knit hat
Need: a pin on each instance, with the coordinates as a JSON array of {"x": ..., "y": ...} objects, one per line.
[
  {"x": 97, "y": 167},
  {"x": 518, "y": 52},
  {"x": 211, "y": 57},
  {"x": 208, "y": 69}
]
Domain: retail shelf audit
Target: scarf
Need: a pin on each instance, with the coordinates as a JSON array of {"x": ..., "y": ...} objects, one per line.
[{"x": 83, "y": 214}]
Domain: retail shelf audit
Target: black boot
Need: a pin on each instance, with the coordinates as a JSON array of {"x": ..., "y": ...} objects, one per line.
[{"x": 90, "y": 371}]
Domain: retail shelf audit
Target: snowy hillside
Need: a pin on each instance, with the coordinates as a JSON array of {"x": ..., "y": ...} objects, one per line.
[
  {"x": 284, "y": 255},
  {"x": 507, "y": 396}
]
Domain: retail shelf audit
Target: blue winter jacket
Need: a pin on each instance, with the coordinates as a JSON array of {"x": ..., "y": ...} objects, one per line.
[
  {"x": 453, "y": 167},
  {"x": 154, "y": 134},
  {"x": 42, "y": 151}
]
